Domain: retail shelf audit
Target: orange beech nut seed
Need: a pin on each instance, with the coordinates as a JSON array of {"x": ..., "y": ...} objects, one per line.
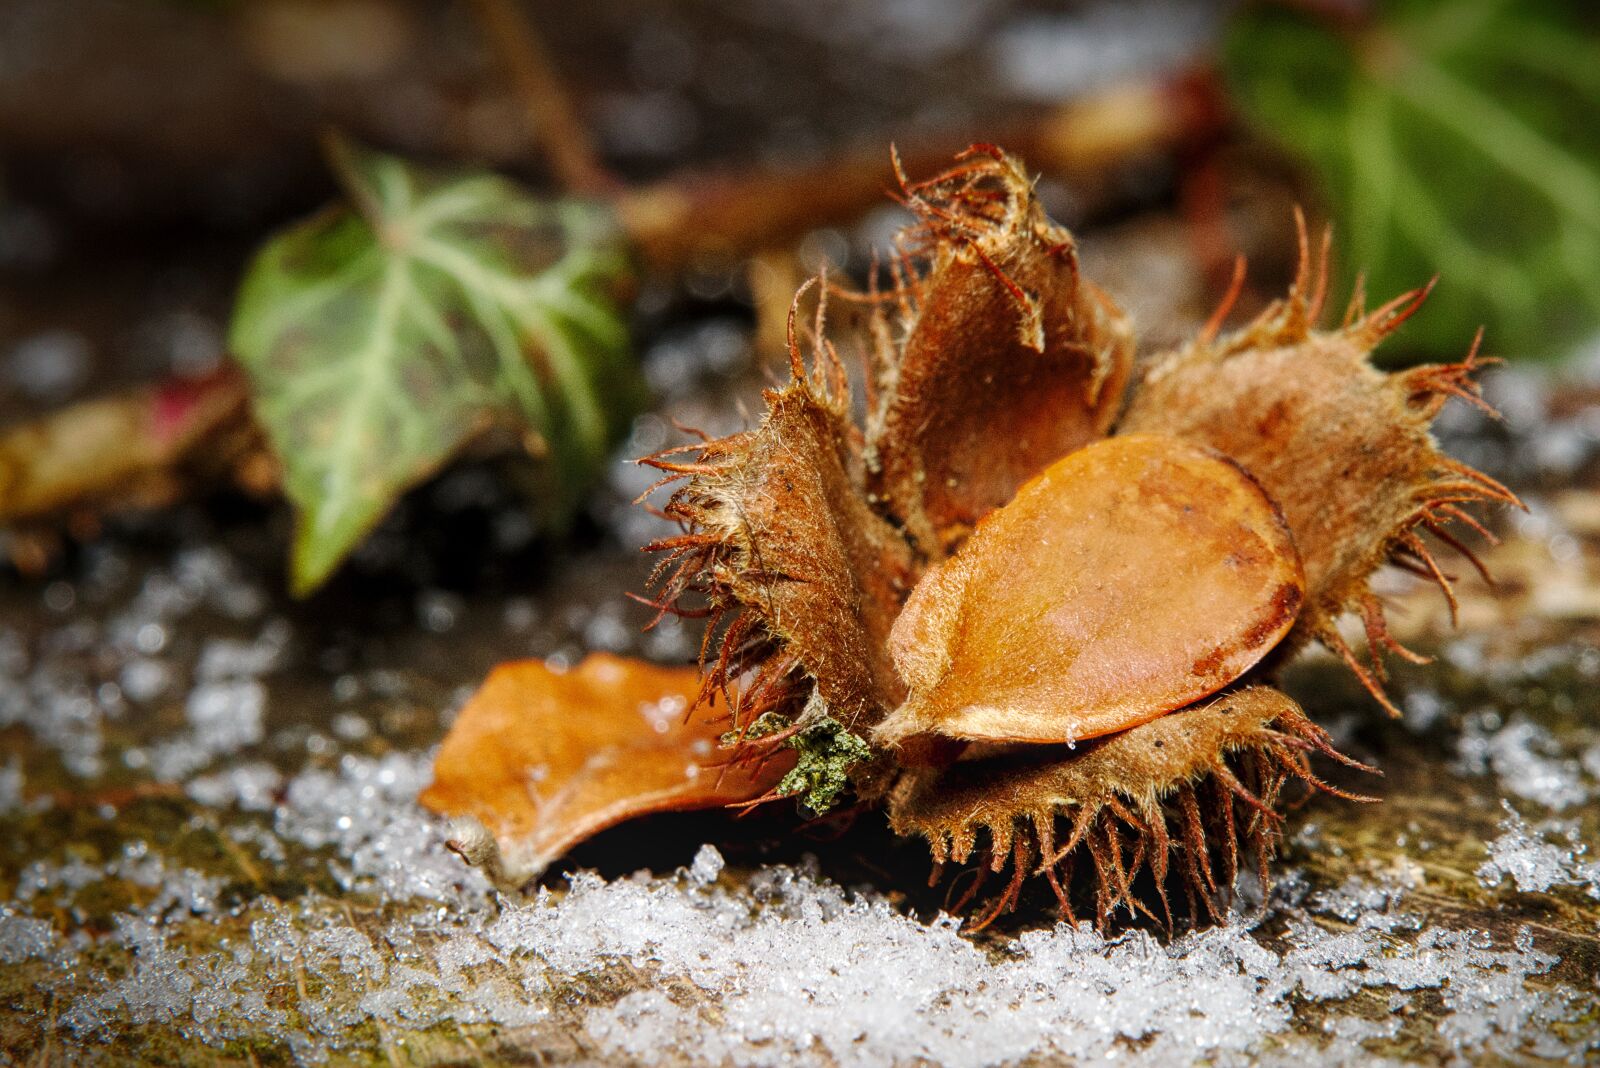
[
  {"x": 1132, "y": 577},
  {"x": 545, "y": 759}
]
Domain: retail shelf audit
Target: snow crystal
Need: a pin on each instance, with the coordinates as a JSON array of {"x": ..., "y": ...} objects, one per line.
[
  {"x": 252, "y": 787},
  {"x": 227, "y": 716},
  {"x": 1591, "y": 760},
  {"x": 159, "y": 989},
  {"x": 366, "y": 812},
  {"x": 1525, "y": 759},
  {"x": 644, "y": 1023},
  {"x": 224, "y": 658},
  {"x": 145, "y": 678},
  {"x": 59, "y": 707},
  {"x": 23, "y": 937},
  {"x": 1535, "y": 863},
  {"x": 223, "y": 718},
  {"x": 708, "y": 864},
  {"x": 11, "y": 783},
  {"x": 178, "y": 890},
  {"x": 438, "y": 610},
  {"x": 226, "y": 709}
]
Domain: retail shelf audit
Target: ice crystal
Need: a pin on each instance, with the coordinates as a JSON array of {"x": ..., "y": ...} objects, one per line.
[
  {"x": 782, "y": 967},
  {"x": 24, "y": 937},
  {"x": 1525, "y": 758},
  {"x": 1534, "y": 862}
]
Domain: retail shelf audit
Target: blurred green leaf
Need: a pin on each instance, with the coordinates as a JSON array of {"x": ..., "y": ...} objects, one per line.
[
  {"x": 1460, "y": 139},
  {"x": 382, "y": 337}
]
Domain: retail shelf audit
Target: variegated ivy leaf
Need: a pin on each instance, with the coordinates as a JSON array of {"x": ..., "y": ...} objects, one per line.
[
  {"x": 382, "y": 337},
  {"x": 1459, "y": 139}
]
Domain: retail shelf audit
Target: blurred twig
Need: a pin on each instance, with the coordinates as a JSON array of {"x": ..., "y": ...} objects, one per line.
[
  {"x": 726, "y": 215},
  {"x": 552, "y": 117}
]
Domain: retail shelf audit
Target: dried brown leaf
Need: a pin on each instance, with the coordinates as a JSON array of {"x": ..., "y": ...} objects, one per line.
[
  {"x": 131, "y": 450},
  {"x": 543, "y": 759}
]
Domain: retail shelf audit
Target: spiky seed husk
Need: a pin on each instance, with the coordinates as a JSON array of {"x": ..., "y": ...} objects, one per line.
[
  {"x": 802, "y": 538},
  {"x": 1185, "y": 793},
  {"x": 783, "y": 544}
]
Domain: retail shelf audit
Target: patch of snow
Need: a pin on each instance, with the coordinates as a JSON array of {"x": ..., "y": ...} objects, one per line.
[
  {"x": 366, "y": 812},
  {"x": 224, "y": 717},
  {"x": 144, "y": 678},
  {"x": 785, "y": 968},
  {"x": 178, "y": 892},
  {"x": 1533, "y": 861},
  {"x": 1525, "y": 759},
  {"x": 1049, "y": 57},
  {"x": 81, "y": 674},
  {"x": 252, "y": 787},
  {"x": 24, "y": 937},
  {"x": 226, "y": 658}
]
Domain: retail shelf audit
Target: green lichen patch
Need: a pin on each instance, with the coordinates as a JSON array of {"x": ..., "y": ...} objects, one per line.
[{"x": 827, "y": 753}]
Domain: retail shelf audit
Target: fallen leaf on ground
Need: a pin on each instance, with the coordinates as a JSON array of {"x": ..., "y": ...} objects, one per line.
[
  {"x": 543, "y": 759},
  {"x": 136, "y": 449},
  {"x": 383, "y": 337}
]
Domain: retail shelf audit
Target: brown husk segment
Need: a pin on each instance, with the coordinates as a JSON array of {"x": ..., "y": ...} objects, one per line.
[
  {"x": 1006, "y": 359},
  {"x": 1184, "y": 793},
  {"x": 783, "y": 546},
  {"x": 1342, "y": 447},
  {"x": 1156, "y": 573}
]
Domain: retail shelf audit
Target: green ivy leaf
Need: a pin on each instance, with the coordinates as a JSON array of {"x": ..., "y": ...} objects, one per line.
[
  {"x": 1457, "y": 139},
  {"x": 381, "y": 337}
]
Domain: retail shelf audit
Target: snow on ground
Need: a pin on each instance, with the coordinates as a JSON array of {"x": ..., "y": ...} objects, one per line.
[
  {"x": 779, "y": 967},
  {"x": 389, "y": 934},
  {"x": 1541, "y": 856}
]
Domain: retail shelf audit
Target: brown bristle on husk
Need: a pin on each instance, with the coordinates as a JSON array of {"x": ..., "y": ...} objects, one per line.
[
  {"x": 800, "y": 579},
  {"x": 1180, "y": 795}
]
